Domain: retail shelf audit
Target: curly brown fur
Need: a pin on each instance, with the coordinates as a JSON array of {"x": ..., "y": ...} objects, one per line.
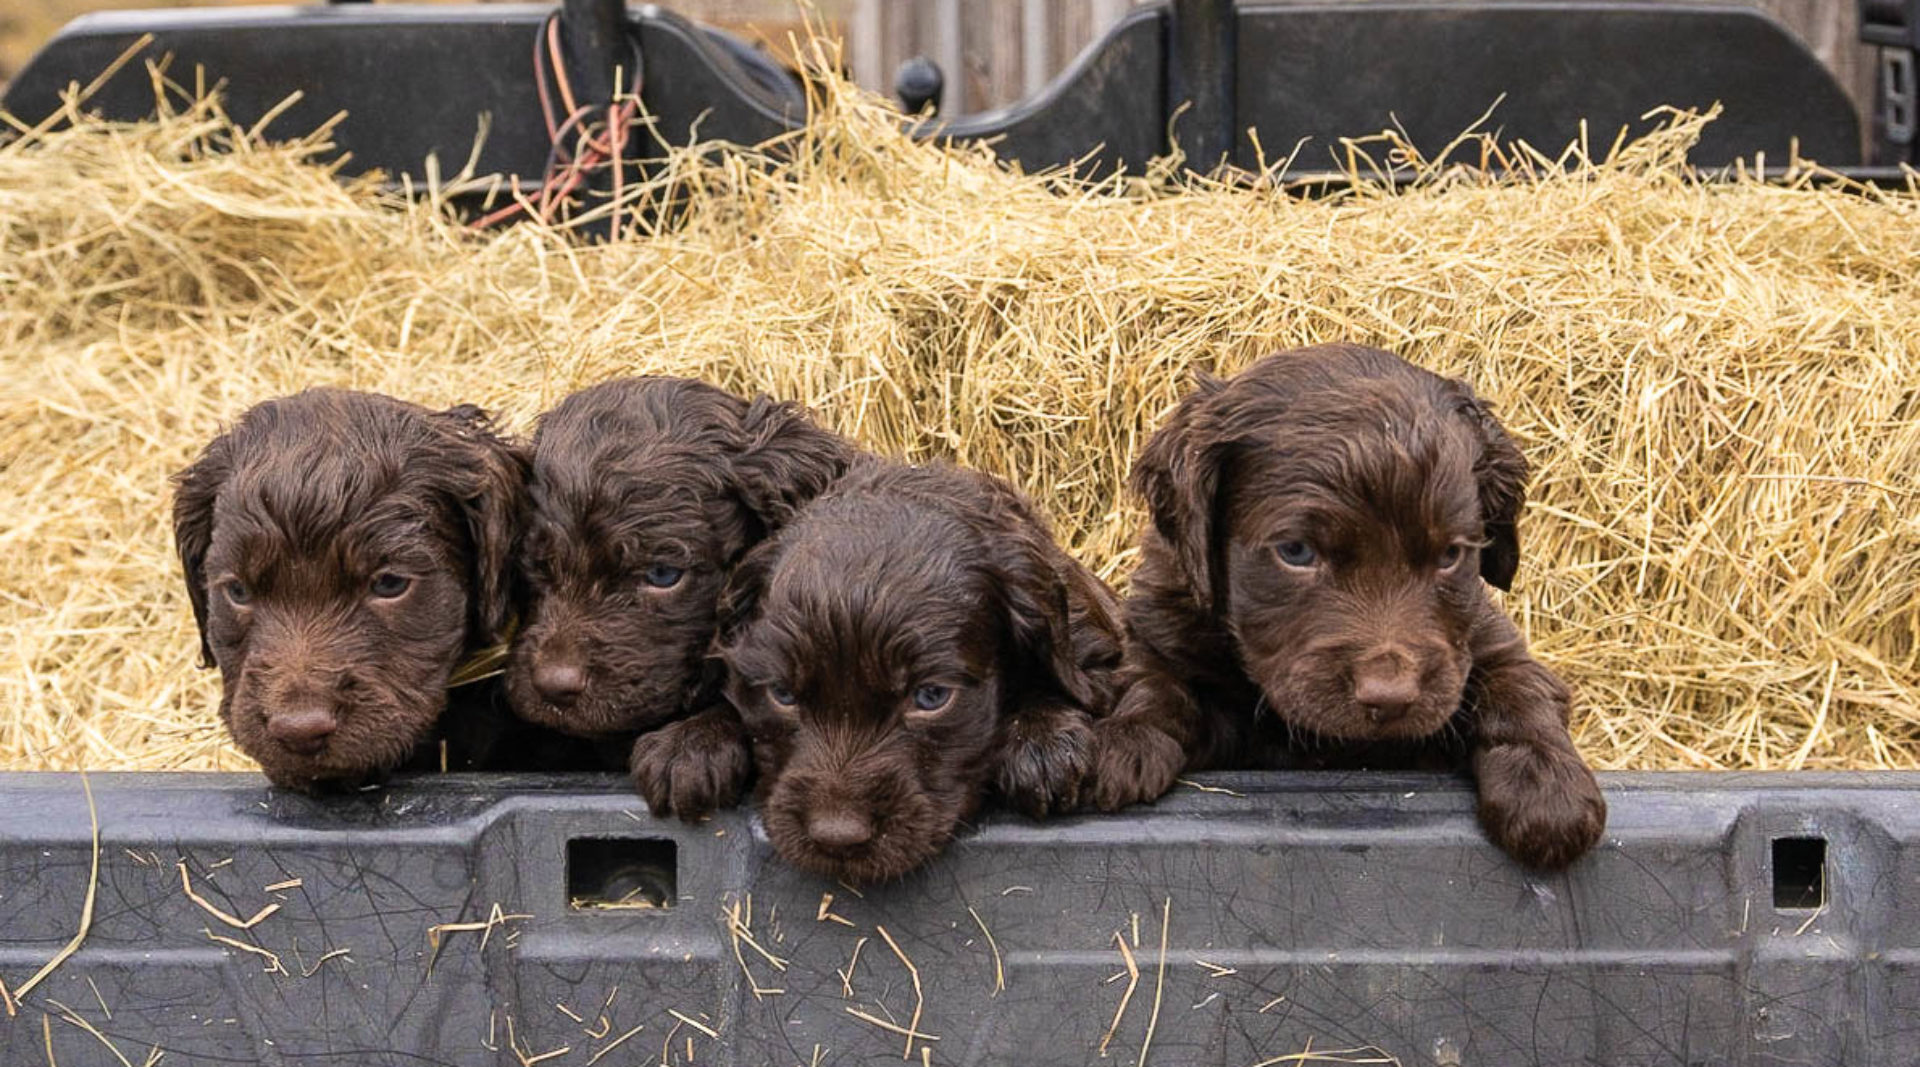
[
  {"x": 343, "y": 553},
  {"x": 912, "y": 642},
  {"x": 1310, "y": 594},
  {"x": 645, "y": 493}
]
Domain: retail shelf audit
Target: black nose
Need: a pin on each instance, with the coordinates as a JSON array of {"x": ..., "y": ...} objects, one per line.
[
  {"x": 839, "y": 829},
  {"x": 560, "y": 683},
  {"x": 302, "y": 729}
]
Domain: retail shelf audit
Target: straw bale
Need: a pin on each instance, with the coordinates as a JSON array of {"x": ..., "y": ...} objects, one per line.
[{"x": 1716, "y": 383}]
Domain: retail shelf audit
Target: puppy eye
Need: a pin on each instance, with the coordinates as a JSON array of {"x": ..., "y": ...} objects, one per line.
[
  {"x": 781, "y": 695},
  {"x": 1296, "y": 553},
  {"x": 389, "y": 585},
  {"x": 932, "y": 697},
  {"x": 663, "y": 575},
  {"x": 237, "y": 592},
  {"x": 1451, "y": 557}
]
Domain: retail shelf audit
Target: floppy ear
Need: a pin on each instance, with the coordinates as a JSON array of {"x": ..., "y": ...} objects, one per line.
[
  {"x": 738, "y": 606},
  {"x": 1501, "y": 473},
  {"x": 493, "y": 503},
  {"x": 740, "y": 598},
  {"x": 1060, "y": 619},
  {"x": 194, "y": 492},
  {"x": 785, "y": 460},
  {"x": 1178, "y": 474}
]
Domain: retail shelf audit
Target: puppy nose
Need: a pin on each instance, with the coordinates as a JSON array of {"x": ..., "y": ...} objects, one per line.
[
  {"x": 1386, "y": 687},
  {"x": 840, "y": 829},
  {"x": 302, "y": 729},
  {"x": 560, "y": 683}
]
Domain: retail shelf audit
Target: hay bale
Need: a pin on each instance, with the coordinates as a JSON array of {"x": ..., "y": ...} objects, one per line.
[{"x": 1715, "y": 383}]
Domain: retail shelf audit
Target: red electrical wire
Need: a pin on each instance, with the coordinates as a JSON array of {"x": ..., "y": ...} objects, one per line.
[{"x": 567, "y": 168}]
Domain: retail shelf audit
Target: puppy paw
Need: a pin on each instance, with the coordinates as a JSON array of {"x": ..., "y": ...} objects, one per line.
[
  {"x": 1044, "y": 760},
  {"x": 1542, "y": 806},
  {"x": 1133, "y": 762},
  {"x": 692, "y": 767}
]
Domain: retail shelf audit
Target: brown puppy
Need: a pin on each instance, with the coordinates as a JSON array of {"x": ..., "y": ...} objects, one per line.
[
  {"x": 344, "y": 552},
  {"x": 645, "y": 493},
  {"x": 1309, "y": 594},
  {"x": 913, "y": 639}
]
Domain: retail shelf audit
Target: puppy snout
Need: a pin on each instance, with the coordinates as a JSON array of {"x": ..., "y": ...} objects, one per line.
[
  {"x": 839, "y": 829},
  {"x": 560, "y": 681},
  {"x": 1387, "y": 684},
  {"x": 302, "y": 728}
]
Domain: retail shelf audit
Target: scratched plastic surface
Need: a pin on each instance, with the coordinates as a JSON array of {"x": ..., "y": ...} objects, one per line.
[{"x": 1278, "y": 915}]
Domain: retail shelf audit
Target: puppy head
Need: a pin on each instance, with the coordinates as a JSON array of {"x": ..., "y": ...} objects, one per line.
[
  {"x": 645, "y": 492},
  {"x": 1338, "y": 507},
  {"x": 874, "y": 648},
  {"x": 343, "y": 553}
]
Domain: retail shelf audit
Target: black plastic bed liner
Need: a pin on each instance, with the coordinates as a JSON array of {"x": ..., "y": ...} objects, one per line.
[
  {"x": 1725, "y": 919},
  {"x": 422, "y": 80}
]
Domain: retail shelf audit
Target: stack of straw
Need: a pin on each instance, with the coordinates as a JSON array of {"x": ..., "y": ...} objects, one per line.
[{"x": 1716, "y": 383}]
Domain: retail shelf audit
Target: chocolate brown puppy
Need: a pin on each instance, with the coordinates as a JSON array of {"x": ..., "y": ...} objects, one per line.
[
  {"x": 914, "y": 640},
  {"x": 645, "y": 493},
  {"x": 344, "y": 553},
  {"x": 1310, "y": 594}
]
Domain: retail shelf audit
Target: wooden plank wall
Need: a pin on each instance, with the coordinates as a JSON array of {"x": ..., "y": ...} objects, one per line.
[{"x": 1002, "y": 49}]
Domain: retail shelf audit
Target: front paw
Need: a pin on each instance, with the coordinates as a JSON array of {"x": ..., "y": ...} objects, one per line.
[
  {"x": 1044, "y": 760},
  {"x": 1134, "y": 762},
  {"x": 691, "y": 767},
  {"x": 1541, "y": 805}
]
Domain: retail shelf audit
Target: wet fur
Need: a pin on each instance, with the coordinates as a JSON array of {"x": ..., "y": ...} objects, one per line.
[
  {"x": 627, "y": 475},
  {"x": 1235, "y": 659},
  {"x": 898, "y": 577},
  {"x": 303, "y": 503}
]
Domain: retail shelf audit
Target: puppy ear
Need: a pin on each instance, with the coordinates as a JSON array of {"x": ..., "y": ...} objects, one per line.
[
  {"x": 785, "y": 460},
  {"x": 740, "y": 598},
  {"x": 1178, "y": 473},
  {"x": 1060, "y": 618},
  {"x": 194, "y": 491},
  {"x": 1501, "y": 473},
  {"x": 492, "y": 501}
]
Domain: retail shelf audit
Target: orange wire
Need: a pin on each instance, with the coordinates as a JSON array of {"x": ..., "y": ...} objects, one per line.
[
  {"x": 566, "y": 172},
  {"x": 560, "y": 66}
]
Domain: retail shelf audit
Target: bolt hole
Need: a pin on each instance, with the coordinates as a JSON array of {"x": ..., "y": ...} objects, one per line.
[
  {"x": 621, "y": 873},
  {"x": 1799, "y": 872}
]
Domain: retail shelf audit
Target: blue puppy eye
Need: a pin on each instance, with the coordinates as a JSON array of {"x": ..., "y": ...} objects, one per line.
[
  {"x": 237, "y": 592},
  {"x": 390, "y": 585},
  {"x": 664, "y": 575},
  {"x": 1296, "y": 553},
  {"x": 932, "y": 697},
  {"x": 781, "y": 695}
]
